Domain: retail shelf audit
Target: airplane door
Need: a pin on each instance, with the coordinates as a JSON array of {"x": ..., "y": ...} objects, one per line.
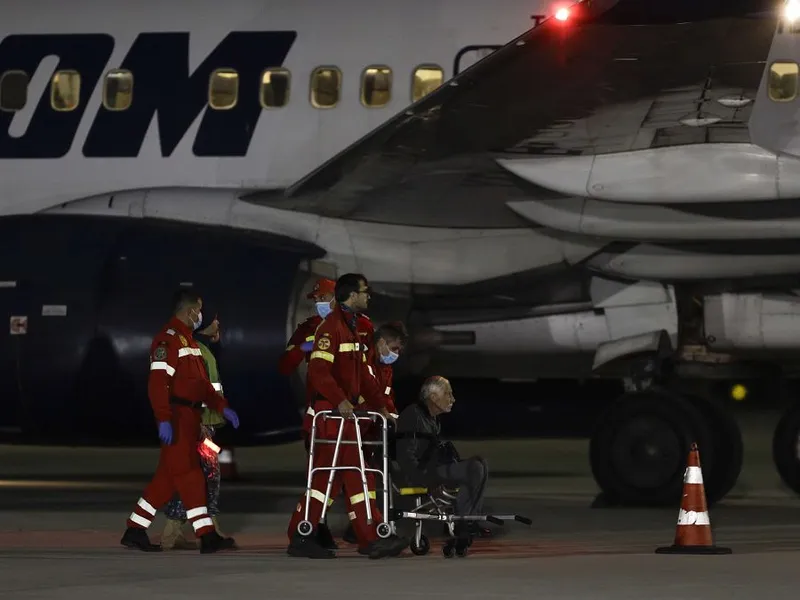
[
  {"x": 13, "y": 313},
  {"x": 469, "y": 55}
]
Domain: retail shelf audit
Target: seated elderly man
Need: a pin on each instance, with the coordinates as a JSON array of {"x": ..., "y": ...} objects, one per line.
[{"x": 425, "y": 460}]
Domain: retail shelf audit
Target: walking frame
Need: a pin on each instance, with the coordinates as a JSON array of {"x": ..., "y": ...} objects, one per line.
[{"x": 427, "y": 506}]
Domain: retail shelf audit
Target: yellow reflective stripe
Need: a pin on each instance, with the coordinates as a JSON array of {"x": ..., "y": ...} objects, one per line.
[
  {"x": 323, "y": 355},
  {"x": 363, "y": 358},
  {"x": 317, "y": 495},
  {"x": 310, "y": 338},
  {"x": 290, "y": 347},
  {"x": 412, "y": 491},
  {"x": 361, "y": 400},
  {"x": 360, "y": 497},
  {"x": 349, "y": 347}
]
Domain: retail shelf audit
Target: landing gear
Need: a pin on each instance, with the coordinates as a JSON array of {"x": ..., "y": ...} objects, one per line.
[
  {"x": 639, "y": 449},
  {"x": 786, "y": 448}
]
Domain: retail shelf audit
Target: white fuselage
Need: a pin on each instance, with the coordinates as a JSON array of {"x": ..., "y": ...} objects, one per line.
[{"x": 286, "y": 142}]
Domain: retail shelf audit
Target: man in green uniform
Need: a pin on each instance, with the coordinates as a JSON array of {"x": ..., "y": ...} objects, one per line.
[{"x": 206, "y": 335}]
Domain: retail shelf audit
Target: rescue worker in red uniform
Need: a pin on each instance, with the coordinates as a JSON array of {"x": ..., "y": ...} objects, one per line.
[
  {"x": 342, "y": 379},
  {"x": 179, "y": 389},
  {"x": 302, "y": 341},
  {"x": 389, "y": 342},
  {"x": 299, "y": 349}
]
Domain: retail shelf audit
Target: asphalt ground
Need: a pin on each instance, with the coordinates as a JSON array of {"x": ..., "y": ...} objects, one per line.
[{"x": 63, "y": 510}]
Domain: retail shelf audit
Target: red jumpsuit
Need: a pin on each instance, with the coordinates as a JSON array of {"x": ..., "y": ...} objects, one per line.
[
  {"x": 178, "y": 378},
  {"x": 338, "y": 370},
  {"x": 293, "y": 356}
]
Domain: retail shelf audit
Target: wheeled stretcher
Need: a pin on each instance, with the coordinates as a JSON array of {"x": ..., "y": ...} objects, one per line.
[{"x": 429, "y": 505}]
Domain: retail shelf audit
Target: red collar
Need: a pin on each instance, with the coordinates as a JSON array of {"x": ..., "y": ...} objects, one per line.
[{"x": 180, "y": 327}]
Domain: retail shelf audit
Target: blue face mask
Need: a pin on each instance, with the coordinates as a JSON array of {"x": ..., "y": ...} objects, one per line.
[
  {"x": 196, "y": 324},
  {"x": 324, "y": 309},
  {"x": 389, "y": 358}
]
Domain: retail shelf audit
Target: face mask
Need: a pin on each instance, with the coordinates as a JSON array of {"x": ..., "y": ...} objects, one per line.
[
  {"x": 389, "y": 358},
  {"x": 324, "y": 309},
  {"x": 196, "y": 324}
]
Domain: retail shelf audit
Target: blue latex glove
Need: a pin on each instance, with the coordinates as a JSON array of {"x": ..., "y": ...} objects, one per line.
[
  {"x": 165, "y": 432},
  {"x": 307, "y": 346},
  {"x": 231, "y": 415}
]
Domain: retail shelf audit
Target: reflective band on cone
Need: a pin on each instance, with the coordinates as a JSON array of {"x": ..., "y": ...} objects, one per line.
[{"x": 693, "y": 532}]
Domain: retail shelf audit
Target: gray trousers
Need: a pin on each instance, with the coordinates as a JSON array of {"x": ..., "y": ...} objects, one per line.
[{"x": 470, "y": 477}]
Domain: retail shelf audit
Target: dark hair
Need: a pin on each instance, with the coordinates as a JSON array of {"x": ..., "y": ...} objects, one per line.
[
  {"x": 391, "y": 332},
  {"x": 347, "y": 284},
  {"x": 182, "y": 298}
]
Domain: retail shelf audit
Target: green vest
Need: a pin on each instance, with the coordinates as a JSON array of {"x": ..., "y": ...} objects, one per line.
[{"x": 211, "y": 417}]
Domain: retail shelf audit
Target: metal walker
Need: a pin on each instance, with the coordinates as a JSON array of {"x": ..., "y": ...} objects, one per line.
[{"x": 383, "y": 529}]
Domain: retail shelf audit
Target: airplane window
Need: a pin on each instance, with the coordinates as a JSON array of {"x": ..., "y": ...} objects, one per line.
[
  {"x": 275, "y": 85},
  {"x": 118, "y": 90},
  {"x": 426, "y": 79},
  {"x": 13, "y": 90},
  {"x": 376, "y": 86},
  {"x": 65, "y": 90},
  {"x": 783, "y": 78},
  {"x": 326, "y": 84},
  {"x": 223, "y": 89}
]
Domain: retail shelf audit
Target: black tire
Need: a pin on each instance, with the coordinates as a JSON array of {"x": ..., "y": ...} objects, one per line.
[
  {"x": 721, "y": 475},
  {"x": 652, "y": 422},
  {"x": 785, "y": 448},
  {"x": 423, "y": 548}
]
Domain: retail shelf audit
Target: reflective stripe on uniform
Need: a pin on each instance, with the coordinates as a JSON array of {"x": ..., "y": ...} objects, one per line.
[
  {"x": 371, "y": 372},
  {"x": 310, "y": 411},
  {"x": 196, "y": 512},
  {"x": 387, "y": 391},
  {"x": 189, "y": 352},
  {"x": 170, "y": 332},
  {"x": 349, "y": 347},
  {"x": 351, "y": 515},
  {"x": 361, "y": 400},
  {"x": 139, "y": 520},
  {"x": 360, "y": 497},
  {"x": 200, "y": 523},
  {"x": 146, "y": 506},
  {"x": 310, "y": 338},
  {"x": 217, "y": 386},
  {"x": 290, "y": 347},
  {"x": 162, "y": 366},
  {"x": 323, "y": 355},
  {"x": 317, "y": 495}
]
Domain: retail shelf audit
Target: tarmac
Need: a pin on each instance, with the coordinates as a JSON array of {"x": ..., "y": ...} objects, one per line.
[{"x": 63, "y": 510}]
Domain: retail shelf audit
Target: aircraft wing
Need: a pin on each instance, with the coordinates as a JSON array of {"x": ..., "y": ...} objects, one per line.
[{"x": 617, "y": 75}]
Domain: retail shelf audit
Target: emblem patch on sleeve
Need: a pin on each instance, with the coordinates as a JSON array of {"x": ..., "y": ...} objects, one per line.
[
  {"x": 160, "y": 353},
  {"x": 323, "y": 343},
  {"x": 184, "y": 343}
]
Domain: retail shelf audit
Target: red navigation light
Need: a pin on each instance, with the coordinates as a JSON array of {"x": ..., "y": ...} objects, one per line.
[{"x": 562, "y": 14}]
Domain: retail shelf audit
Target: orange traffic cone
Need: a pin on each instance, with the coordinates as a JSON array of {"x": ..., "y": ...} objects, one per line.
[
  {"x": 693, "y": 533},
  {"x": 227, "y": 465}
]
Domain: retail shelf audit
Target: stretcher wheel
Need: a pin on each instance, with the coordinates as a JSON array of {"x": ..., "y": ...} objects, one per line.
[
  {"x": 384, "y": 530},
  {"x": 462, "y": 550},
  {"x": 304, "y": 528},
  {"x": 423, "y": 548}
]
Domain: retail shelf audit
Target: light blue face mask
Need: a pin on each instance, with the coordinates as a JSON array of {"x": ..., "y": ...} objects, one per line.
[
  {"x": 389, "y": 358},
  {"x": 324, "y": 309},
  {"x": 196, "y": 324}
]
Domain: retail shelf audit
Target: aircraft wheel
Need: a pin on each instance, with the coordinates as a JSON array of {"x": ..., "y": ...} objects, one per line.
[
  {"x": 722, "y": 472},
  {"x": 640, "y": 445},
  {"x": 786, "y": 448}
]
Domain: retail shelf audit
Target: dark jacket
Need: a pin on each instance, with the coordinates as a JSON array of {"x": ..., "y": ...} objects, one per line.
[{"x": 417, "y": 445}]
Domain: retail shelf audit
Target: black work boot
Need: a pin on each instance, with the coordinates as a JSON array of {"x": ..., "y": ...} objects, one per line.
[
  {"x": 137, "y": 538},
  {"x": 325, "y": 537},
  {"x": 214, "y": 542},
  {"x": 391, "y": 546},
  {"x": 475, "y": 529},
  {"x": 350, "y": 535},
  {"x": 307, "y": 547}
]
